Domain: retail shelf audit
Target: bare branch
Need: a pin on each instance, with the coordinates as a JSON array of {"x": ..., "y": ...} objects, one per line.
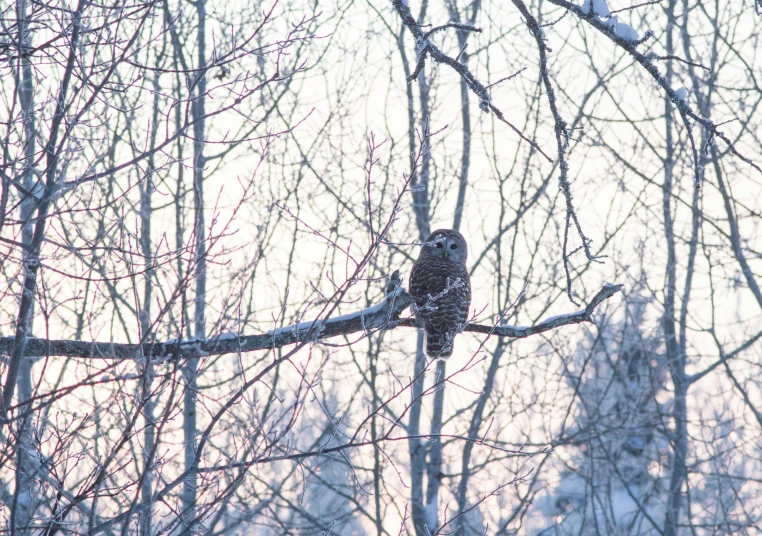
[
  {"x": 425, "y": 46},
  {"x": 382, "y": 316}
]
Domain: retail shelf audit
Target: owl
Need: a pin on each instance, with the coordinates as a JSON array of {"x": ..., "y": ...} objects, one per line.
[{"x": 441, "y": 289}]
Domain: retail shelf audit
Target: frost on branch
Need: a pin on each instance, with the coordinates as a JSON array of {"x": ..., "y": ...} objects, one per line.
[{"x": 382, "y": 316}]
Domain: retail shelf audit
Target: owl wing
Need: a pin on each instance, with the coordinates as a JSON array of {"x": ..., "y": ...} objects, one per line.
[
  {"x": 430, "y": 279},
  {"x": 418, "y": 287},
  {"x": 453, "y": 291},
  {"x": 426, "y": 281},
  {"x": 447, "y": 315},
  {"x": 462, "y": 295}
]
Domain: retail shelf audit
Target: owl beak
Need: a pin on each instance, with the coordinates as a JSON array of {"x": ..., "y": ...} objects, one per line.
[{"x": 446, "y": 254}]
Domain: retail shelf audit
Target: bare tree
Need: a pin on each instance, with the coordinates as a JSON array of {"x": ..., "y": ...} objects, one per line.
[{"x": 209, "y": 211}]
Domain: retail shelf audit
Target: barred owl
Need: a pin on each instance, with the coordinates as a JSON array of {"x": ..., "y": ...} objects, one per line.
[{"x": 442, "y": 291}]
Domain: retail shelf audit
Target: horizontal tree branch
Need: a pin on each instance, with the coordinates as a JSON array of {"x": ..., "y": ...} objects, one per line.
[
  {"x": 385, "y": 315},
  {"x": 583, "y": 315}
]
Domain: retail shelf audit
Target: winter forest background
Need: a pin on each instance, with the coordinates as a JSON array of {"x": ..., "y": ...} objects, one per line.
[{"x": 203, "y": 207}]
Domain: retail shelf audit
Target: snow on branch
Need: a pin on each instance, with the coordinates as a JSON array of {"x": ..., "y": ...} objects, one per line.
[
  {"x": 383, "y": 316},
  {"x": 678, "y": 97},
  {"x": 600, "y": 8},
  {"x": 583, "y": 315}
]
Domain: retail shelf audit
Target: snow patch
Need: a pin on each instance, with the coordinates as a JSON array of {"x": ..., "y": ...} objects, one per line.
[
  {"x": 397, "y": 292},
  {"x": 292, "y": 328},
  {"x": 681, "y": 93},
  {"x": 622, "y": 30},
  {"x": 225, "y": 336},
  {"x": 562, "y": 317},
  {"x": 600, "y": 8},
  {"x": 626, "y": 32},
  {"x": 363, "y": 313}
]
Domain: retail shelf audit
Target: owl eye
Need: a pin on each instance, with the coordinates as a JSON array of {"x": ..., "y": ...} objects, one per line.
[
  {"x": 453, "y": 246},
  {"x": 439, "y": 245}
]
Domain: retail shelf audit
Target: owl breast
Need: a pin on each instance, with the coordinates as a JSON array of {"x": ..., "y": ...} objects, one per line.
[{"x": 442, "y": 293}]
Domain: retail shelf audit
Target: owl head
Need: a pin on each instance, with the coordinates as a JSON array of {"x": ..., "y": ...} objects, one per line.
[{"x": 445, "y": 244}]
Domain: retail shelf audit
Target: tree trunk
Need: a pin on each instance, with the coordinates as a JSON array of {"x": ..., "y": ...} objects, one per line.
[
  {"x": 190, "y": 370},
  {"x": 25, "y": 496}
]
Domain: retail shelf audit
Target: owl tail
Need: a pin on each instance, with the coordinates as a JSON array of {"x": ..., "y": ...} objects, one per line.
[{"x": 438, "y": 345}]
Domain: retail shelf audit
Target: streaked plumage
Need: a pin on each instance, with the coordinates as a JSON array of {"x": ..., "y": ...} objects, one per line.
[{"x": 440, "y": 284}]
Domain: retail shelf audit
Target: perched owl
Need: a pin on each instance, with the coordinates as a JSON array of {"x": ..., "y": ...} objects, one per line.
[{"x": 442, "y": 291}]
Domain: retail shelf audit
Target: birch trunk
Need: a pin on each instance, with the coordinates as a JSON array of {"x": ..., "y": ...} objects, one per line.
[
  {"x": 674, "y": 355},
  {"x": 146, "y": 332},
  {"x": 190, "y": 370},
  {"x": 25, "y": 496}
]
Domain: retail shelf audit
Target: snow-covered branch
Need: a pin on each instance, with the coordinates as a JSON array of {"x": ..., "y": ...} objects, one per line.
[
  {"x": 385, "y": 315},
  {"x": 623, "y": 37},
  {"x": 583, "y": 315}
]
